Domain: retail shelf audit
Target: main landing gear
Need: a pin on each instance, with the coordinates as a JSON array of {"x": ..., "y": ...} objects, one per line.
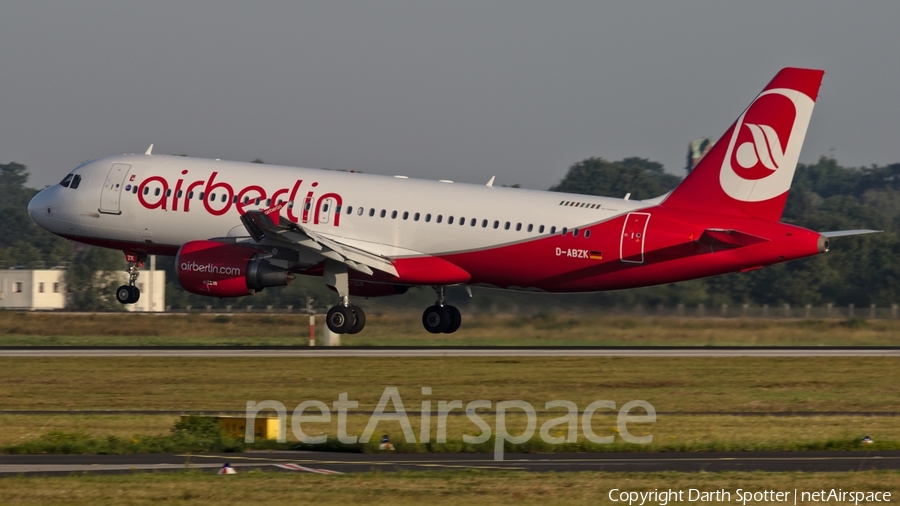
[
  {"x": 129, "y": 294},
  {"x": 344, "y": 318},
  {"x": 441, "y": 318}
]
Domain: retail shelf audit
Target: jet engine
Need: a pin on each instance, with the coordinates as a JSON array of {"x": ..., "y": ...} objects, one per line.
[{"x": 226, "y": 270}]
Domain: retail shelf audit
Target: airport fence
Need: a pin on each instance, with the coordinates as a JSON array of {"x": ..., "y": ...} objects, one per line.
[{"x": 765, "y": 311}]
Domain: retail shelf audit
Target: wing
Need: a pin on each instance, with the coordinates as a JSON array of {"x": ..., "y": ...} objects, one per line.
[{"x": 267, "y": 226}]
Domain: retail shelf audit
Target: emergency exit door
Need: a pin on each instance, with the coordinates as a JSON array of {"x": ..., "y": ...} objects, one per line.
[{"x": 634, "y": 232}]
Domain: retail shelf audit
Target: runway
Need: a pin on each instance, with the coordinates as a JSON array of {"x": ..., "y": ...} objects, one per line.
[
  {"x": 339, "y": 463},
  {"x": 420, "y": 352}
]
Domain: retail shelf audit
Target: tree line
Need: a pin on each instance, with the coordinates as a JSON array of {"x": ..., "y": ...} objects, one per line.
[{"x": 824, "y": 196}]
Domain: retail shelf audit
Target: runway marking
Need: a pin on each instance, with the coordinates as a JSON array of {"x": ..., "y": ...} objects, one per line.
[{"x": 295, "y": 467}]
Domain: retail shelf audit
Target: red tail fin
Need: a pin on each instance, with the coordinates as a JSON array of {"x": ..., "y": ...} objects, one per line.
[{"x": 750, "y": 169}]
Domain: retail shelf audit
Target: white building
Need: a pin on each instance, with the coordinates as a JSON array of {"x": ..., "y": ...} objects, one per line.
[
  {"x": 45, "y": 289},
  {"x": 32, "y": 289}
]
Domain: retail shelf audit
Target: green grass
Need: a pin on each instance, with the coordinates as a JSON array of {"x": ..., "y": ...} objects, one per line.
[
  {"x": 404, "y": 329},
  {"x": 757, "y": 384},
  {"x": 716, "y": 386},
  {"x": 436, "y": 487}
]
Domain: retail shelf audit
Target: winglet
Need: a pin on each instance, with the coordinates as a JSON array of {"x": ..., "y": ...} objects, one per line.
[
  {"x": 149, "y": 150},
  {"x": 491, "y": 182}
]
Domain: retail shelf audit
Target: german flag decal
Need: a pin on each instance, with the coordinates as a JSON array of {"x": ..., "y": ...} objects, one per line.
[{"x": 596, "y": 255}]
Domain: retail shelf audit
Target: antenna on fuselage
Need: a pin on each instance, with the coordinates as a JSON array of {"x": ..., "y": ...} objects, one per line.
[
  {"x": 491, "y": 182},
  {"x": 149, "y": 150}
]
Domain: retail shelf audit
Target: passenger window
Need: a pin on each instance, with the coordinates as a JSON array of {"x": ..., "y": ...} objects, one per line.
[
  {"x": 256, "y": 202},
  {"x": 574, "y": 232},
  {"x": 157, "y": 192},
  {"x": 587, "y": 233},
  {"x": 552, "y": 230},
  {"x": 190, "y": 195},
  {"x": 168, "y": 193},
  {"x": 180, "y": 193},
  {"x": 416, "y": 217},
  {"x": 405, "y": 215},
  {"x": 324, "y": 208},
  {"x": 75, "y": 182},
  {"x": 359, "y": 212},
  {"x": 472, "y": 223},
  {"x": 212, "y": 196},
  {"x": 530, "y": 227},
  {"x": 541, "y": 229},
  {"x": 200, "y": 197},
  {"x": 308, "y": 205},
  {"x": 146, "y": 191},
  {"x": 269, "y": 204},
  {"x": 483, "y": 223},
  {"x": 518, "y": 227},
  {"x": 337, "y": 210},
  {"x": 439, "y": 218},
  {"x": 383, "y": 213},
  {"x": 371, "y": 211},
  {"x": 134, "y": 191},
  {"x": 496, "y": 224},
  {"x": 449, "y": 220},
  {"x": 506, "y": 227},
  {"x": 246, "y": 200},
  {"x": 427, "y": 218},
  {"x": 66, "y": 180},
  {"x": 565, "y": 230},
  {"x": 394, "y": 215},
  {"x": 349, "y": 209}
]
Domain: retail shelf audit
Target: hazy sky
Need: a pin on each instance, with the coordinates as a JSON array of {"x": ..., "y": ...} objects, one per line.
[{"x": 454, "y": 90}]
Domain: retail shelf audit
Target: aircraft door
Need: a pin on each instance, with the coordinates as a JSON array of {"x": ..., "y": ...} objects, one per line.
[
  {"x": 112, "y": 189},
  {"x": 325, "y": 210},
  {"x": 631, "y": 248}
]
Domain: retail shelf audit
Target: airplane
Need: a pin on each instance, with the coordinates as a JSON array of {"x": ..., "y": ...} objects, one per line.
[{"x": 236, "y": 228}]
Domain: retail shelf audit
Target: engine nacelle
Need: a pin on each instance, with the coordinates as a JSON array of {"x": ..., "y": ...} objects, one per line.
[{"x": 225, "y": 270}]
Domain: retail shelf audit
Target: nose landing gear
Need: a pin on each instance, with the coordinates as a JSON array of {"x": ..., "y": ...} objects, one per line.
[
  {"x": 129, "y": 294},
  {"x": 441, "y": 318}
]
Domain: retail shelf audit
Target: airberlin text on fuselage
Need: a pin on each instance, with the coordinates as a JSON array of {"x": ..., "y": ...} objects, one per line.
[
  {"x": 246, "y": 198},
  {"x": 211, "y": 269}
]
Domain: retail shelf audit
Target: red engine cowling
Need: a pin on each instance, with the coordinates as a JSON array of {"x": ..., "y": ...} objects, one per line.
[{"x": 225, "y": 270}]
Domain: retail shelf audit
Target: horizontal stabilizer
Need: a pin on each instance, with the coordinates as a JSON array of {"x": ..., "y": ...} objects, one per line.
[
  {"x": 733, "y": 238},
  {"x": 842, "y": 233}
]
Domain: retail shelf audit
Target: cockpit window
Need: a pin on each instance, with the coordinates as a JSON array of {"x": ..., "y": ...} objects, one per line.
[
  {"x": 66, "y": 180},
  {"x": 75, "y": 181}
]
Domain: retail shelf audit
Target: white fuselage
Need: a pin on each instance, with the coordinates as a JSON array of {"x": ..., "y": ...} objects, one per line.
[{"x": 158, "y": 202}]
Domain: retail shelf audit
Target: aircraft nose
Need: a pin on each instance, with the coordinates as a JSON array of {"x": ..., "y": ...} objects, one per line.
[{"x": 41, "y": 207}]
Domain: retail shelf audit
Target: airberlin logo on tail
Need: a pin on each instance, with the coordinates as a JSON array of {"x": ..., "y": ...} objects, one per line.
[
  {"x": 765, "y": 149},
  {"x": 764, "y": 146}
]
